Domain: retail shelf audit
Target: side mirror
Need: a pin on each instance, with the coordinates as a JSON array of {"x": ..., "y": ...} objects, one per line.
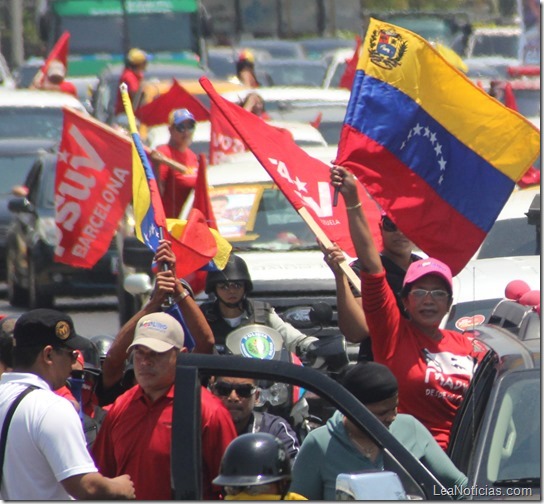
[
  {"x": 138, "y": 284},
  {"x": 371, "y": 485},
  {"x": 20, "y": 205}
]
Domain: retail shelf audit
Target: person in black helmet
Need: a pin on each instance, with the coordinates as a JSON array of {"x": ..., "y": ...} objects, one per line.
[
  {"x": 232, "y": 308},
  {"x": 256, "y": 467}
]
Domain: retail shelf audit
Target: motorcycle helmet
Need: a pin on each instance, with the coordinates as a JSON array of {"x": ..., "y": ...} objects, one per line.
[
  {"x": 254, "y": 459},
  {"x": 235, "y": 270},
  {"x": 91, "y": 357},
  {"x": 103, "y": 342}
]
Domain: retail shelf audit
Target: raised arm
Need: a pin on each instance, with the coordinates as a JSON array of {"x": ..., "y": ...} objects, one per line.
[{"x": 366, "y": 249}]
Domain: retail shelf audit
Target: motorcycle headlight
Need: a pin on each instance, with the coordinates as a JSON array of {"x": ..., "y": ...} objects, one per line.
[{"x": 275, "y": 395}]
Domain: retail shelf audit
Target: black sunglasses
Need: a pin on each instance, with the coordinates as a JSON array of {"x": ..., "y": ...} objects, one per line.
[
  {"x": 185, "y": 127},
  {"x": 244, "y": 390},
  {"x": 388, "y": 225}
]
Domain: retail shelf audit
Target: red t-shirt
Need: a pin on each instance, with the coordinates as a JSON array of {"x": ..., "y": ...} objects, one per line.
[
  {"x": 136, "y": 435},
  {"x": 177, "y": 185},
  {"x": 433, "y": 375},
  {"x": 132, "y": 79},
  {"x": 68, "y": 87}
]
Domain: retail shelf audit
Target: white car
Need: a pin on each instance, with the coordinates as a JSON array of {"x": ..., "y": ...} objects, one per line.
[
  {"x": 304, "y": 134},
  {"x": 34, "y": 114}
]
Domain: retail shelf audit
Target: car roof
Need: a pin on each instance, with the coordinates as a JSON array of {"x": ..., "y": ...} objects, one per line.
[
  {"x": 518, "y": 203},
  {"x": 35, "y": 98},
  {"x": 22, "y": 146}
]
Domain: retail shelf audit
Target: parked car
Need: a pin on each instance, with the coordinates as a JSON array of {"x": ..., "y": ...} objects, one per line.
[
  {"x": 34, "y": 279},
  {"x": 34, "y": 114},
  {"x": 496, "y": 436},
  {"x": 16, "y": 158},
  {"x": 291, "y": 72}
]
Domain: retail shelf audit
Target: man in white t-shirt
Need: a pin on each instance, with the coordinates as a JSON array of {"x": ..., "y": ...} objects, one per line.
[{"x": 46, "y": 456}]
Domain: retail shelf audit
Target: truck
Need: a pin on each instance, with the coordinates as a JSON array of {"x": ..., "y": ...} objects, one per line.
[{"x": 102, "y": 31}]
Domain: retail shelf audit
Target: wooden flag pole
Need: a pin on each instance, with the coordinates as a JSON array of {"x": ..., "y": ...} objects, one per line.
[{"x": 324, "y": 239}]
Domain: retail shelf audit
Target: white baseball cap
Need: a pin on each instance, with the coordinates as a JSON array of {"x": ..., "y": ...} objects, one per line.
[{"x": 158, "y": 331}]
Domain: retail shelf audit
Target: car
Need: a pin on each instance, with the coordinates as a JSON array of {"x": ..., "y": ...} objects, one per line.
[
  {"x": 105, "y": 93},
  {"x": 34, "y": 279},
  {"x": 337, "y": 61},
  {"x": 291, "y": 72},
  {"x": 16, "y": 158},
  {"x": 526, "y": 91},
  {"x": 317, "y": 48},
  {"x": 34, "y": 114},
  {"x": 275, "y": 47},
  {"x": 496, "y": 435},
  {"x": 327, "y": 107},
  {"x": 304, "y": 134}
]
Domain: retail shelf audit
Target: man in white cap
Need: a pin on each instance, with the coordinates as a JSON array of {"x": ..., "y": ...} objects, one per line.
[
  {"x": 175, "y": 186},
  {"x": 54, "y": 80},
  {"x": 136, "y": 435}
]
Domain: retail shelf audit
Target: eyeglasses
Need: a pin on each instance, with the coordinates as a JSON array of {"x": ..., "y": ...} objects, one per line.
[
  {"x": 230, "y": 285},
  {"x": 71, "y": 353},
  {"x": 184, "y": 127},
  {"x": 388, "y": 225},
  {"x": 244, "y": 390},
  {"x": 435, "y": 294}
]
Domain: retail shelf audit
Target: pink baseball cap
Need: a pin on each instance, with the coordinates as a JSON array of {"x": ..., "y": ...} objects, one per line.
[{"x": 428, "y": 266}]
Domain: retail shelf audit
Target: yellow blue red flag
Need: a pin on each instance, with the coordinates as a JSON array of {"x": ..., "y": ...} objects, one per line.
[{"x": 437, "y": 152}]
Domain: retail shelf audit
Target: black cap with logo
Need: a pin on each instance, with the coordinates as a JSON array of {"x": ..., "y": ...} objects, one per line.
[{"x": 42, "y": 327}]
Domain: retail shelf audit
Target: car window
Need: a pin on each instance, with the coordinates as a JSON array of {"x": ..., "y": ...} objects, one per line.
[
  {"x": 513, "y": 444},
  {"x": 503, "y": 45},
  {"x": 39, "y": 122},
  {"x": 510, "y": 237},
  {"x": 13, "y": 170},
  {"x": 464, "y": 316}
]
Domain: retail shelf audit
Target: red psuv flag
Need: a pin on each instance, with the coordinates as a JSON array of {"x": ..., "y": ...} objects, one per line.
[
  {"x": 303, "y": 179},
  {"x": 346, "y": 81},
  {"x": 59, "y": 52},
  {"x": 93, "y": 186},
  {"x": 157, "y": 111},
  {"x": 224, "y": 140}
]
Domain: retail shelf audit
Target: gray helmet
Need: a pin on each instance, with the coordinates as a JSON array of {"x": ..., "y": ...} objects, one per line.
[
  {"x": 103, "y": 343},
  {"x": 235, "y": 270},
  {"x": 91, "y": 357},
  {"x": 254, "y": 459}
]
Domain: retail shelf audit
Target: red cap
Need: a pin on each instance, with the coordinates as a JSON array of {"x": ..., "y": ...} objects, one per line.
[{"x": 427, "y": 266}]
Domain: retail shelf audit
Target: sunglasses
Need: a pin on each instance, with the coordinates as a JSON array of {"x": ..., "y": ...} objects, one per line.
[
  {"x": 244, "y": 390},
  {"x": 388, "y": 225},
  {"x": 185, "y": 127},
  {"x": 435, "y": 294},
  {"x": 71, "y": 353},
  {"x": 230, "y": 285}
]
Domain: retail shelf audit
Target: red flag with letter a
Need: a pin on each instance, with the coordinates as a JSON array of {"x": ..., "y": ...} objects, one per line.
[
  {"x": 224, "y": 140},
  {"x": 93, "y": 186},
  {"x": 59, "y": 52},
  {"x": 346, "y": 81},
  {"x": 303, "y": 179},
  {"x": 157, "y": 111}
]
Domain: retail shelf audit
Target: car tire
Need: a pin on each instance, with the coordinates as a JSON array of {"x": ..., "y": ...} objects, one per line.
[
  {"x": 37, "y": 296},
  {"x": 17, "y": 295}
]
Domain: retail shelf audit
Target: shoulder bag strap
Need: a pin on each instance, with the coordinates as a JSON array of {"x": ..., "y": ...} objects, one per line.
[{"x": 5, "y": 426}]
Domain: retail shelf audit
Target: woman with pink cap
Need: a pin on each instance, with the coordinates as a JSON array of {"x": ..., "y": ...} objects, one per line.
[{"x": 433, "y": 366}]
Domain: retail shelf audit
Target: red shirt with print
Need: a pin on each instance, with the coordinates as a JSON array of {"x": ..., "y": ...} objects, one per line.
[
  {"x": 433, "y": 376},
  {"x": 136, "y": 436},
  {"x": 177, "y": 185}
]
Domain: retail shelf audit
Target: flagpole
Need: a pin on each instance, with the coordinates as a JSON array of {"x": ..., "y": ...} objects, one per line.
[
  {"x": 127, "y": 105},
  {"x": 324, "y": 239}
]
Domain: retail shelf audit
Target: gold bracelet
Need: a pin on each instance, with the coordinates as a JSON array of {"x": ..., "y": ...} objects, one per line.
[
  {"x": 354, "y": 207},
  {"x": 182, "y": 296}
]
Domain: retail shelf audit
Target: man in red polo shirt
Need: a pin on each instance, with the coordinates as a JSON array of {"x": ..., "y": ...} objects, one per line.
[
  {"x": 175, "y": 186},
  {"x": 136, "y": 435}
]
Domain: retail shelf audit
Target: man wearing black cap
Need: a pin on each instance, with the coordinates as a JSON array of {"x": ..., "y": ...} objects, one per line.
[
  {"x": 340, "y": 447},
  {"x": 46, "y": 457}
]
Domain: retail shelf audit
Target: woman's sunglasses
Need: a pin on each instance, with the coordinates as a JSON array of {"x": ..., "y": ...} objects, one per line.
[{"x": 244, "y": 390}]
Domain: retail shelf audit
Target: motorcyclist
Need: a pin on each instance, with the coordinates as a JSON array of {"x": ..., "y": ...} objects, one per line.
[
  {"x": 255, "y": 466},
  {"x": 232, "y": 308}
]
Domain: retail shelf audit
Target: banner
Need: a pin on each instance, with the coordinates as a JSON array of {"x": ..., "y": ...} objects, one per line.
[
  {"x": 224, "y": 140},
  {"x": 92, "y": 189},
  {"x": 157, "y": 111},
  {"x": 434, "y": 150},
  {"x": 303, "y": 179}
]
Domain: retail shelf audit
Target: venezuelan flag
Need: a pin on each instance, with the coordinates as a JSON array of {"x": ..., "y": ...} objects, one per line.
[{"x": 436, "y": 151}]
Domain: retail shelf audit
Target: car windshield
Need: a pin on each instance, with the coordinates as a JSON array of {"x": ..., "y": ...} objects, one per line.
[
  {"x": 25, "y": 122},
  {"x": 510, "y": 237},
  {"x": 259, "y": 217},
  {"x": 465, "y": 316},
  {"x": 13, "y": 170},
  {"x": 513, "y": 445},
  {"x": 501, "y": 45}
]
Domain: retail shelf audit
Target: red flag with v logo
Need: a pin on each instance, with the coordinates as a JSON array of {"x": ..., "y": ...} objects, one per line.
[{"x": 303, "y": 179}]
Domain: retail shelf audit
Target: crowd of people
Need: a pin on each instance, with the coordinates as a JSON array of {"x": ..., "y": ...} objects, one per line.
[{"x": 97, "y": 422}]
